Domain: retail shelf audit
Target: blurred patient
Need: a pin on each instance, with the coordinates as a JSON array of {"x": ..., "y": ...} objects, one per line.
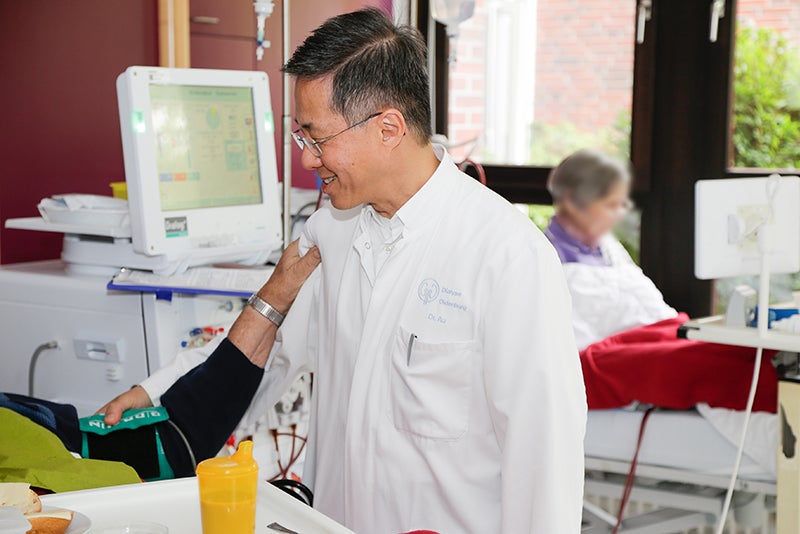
[
  {"x": 610, "y": 293},
  {"x": 627, "y": 334}
]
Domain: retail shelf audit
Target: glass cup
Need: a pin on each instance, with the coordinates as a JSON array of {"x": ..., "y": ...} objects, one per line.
[{"x": 228, "y": 488}]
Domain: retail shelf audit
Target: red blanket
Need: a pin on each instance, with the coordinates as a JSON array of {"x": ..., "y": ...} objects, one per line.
[{"x": 650, "y": 364}]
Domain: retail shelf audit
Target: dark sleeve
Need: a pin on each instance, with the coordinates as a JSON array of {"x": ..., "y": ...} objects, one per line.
[{"x": 209, "y": 401}]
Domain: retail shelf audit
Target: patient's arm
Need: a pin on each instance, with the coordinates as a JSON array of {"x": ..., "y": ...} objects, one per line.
[
  {"x": 252, "y": 334},
  {"x": 149, "y": 392}
]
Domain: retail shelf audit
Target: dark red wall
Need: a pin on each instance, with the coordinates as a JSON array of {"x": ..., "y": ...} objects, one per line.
[
  {"x": 58, "y": 68},
  {"x": 60, "y": 131}
]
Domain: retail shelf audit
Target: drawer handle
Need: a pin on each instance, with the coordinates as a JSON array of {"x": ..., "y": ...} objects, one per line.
[{"x": 205, "y": 20}]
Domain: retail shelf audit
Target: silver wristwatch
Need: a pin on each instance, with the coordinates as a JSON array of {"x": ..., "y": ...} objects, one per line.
[{"x": 261, "y": 306}]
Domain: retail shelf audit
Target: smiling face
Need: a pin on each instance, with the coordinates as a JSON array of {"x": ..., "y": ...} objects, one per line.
[{"x": 350, "y": 162}]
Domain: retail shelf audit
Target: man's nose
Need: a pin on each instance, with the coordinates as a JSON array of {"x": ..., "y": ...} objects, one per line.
[{"x": 309, "y": 160}]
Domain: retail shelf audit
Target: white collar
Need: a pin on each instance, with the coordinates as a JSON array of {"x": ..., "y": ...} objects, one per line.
[{"x": 416, "y": 212}]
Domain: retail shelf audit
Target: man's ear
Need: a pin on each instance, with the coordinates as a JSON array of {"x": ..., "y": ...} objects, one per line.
[{"x": 392, "y": 126}]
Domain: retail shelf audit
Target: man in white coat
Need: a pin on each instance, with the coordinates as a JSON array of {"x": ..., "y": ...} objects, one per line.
[{"x": 448, "y": 393}]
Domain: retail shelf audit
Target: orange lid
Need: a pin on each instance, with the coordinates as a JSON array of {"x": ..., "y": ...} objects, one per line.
[{"x": 240, "y": 463}]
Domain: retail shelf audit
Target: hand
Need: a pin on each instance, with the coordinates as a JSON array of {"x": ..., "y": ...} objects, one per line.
[
  {"x": 135, "y": 397},
  {"x": 251, "y": 333},
  {"x": 291, "y": 272}
]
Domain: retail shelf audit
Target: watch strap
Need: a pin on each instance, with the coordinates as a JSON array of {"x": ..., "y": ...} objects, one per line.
[{"x": 267, "y": 311}]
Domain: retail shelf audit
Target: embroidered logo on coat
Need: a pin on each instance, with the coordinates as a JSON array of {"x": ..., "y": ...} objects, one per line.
[{"x": 428, "y": 290}]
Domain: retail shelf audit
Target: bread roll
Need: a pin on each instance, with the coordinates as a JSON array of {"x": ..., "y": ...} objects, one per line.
[
  {"x": 19, "y": 495},
  {"x": 50, "y": 522}
]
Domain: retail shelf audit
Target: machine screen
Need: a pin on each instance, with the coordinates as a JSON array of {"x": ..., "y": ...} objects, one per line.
[{"x": 206, "y": 151}]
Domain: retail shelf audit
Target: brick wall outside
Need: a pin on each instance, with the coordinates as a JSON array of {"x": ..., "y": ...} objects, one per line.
[
  {"x": 584, "y": 67},
  {"x": 467, "y": 75},
  {"x": 781, "y": 15},
  {"x": 583, "y": 61}
]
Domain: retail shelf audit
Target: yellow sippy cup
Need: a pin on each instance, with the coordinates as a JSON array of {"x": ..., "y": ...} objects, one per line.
[{"x": 228, "y": 489}]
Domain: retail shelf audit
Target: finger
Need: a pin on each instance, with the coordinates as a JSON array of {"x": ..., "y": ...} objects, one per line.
[
  {"x": 113, "y": 413},
  {"x": 294, "y": 246},
  {"x": 303, "y": 268},
  {"x": 291, "y": 254},
  {"x": 309, "y": 262},
  {"x": 103, "y": 409}
]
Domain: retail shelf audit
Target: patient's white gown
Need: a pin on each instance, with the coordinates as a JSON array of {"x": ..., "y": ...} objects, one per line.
[{"x": 607, "y": 300}]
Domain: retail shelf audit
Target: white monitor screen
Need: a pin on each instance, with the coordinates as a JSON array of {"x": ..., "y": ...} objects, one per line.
[
  {"x": 206, "y": 151},
  {"x": 729, "y": 216},
  {"x": 200, "y": 164}
]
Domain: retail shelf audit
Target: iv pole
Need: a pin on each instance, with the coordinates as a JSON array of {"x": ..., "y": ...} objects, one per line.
[
  {"x": 286, "y": 132},
  {"x": 264, "y": 9}
]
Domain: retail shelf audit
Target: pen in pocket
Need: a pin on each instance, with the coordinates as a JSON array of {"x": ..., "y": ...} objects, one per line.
[{"x": 410, "y": 347}]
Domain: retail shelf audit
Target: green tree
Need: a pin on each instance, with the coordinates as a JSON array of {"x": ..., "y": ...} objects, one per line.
[
  {"x": 766, "y": 124},
  {"x": 766, "y": 110}
]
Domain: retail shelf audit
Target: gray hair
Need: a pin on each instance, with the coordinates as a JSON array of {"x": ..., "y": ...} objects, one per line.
[
  {"x": 586, "y": 176},
  {"x": 374, "y": 64}
]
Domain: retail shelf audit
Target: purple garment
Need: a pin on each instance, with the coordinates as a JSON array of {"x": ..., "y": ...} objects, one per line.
[{"x": 569, "y": 249}]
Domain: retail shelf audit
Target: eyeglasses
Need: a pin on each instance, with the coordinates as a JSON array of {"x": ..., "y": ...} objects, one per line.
[
  {"x": 620, "y": 209},
  {"x": 314, "y": 144}
]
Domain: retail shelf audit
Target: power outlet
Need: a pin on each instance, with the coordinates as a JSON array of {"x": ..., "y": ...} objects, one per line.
[{"x": 100, "y": 351}]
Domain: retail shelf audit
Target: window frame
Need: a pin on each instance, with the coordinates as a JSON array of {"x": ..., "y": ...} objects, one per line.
[
  {"x": 528, "y": 183},
  {"x": 676, "y": 119}
]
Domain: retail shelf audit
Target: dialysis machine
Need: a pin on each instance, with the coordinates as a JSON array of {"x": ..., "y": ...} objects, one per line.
[
  {"x": 78, "y": 343},
  {"x": 202, "y": 186}
]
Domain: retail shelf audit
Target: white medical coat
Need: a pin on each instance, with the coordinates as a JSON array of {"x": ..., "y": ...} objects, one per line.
[{"x": 478, "y": 425}]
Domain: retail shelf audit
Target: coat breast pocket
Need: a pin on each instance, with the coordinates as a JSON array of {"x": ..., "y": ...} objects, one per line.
[{"x": 430, "y": 386}]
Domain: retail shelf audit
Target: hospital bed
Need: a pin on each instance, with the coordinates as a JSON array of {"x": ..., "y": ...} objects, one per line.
[
  {"x": 684, "y": 467},
  {"x": 686, "y": 459}
]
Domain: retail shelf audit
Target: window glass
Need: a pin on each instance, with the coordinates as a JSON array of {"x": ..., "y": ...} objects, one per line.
[
  {"x": 540, "y": 214},
  {"x": 781, "y": 288},
  {"x": 628, "y": 232},
  {"x": 766, "y": 95},
  {"x": 765, "y": 116},
  {"x": 537, "y": 80}
]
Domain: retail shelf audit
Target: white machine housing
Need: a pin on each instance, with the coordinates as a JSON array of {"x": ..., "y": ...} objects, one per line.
[
  {"x": 245, "y": 232},
  {"x": 730, "y": 214},
  {"x": 107, "y": 341}
]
